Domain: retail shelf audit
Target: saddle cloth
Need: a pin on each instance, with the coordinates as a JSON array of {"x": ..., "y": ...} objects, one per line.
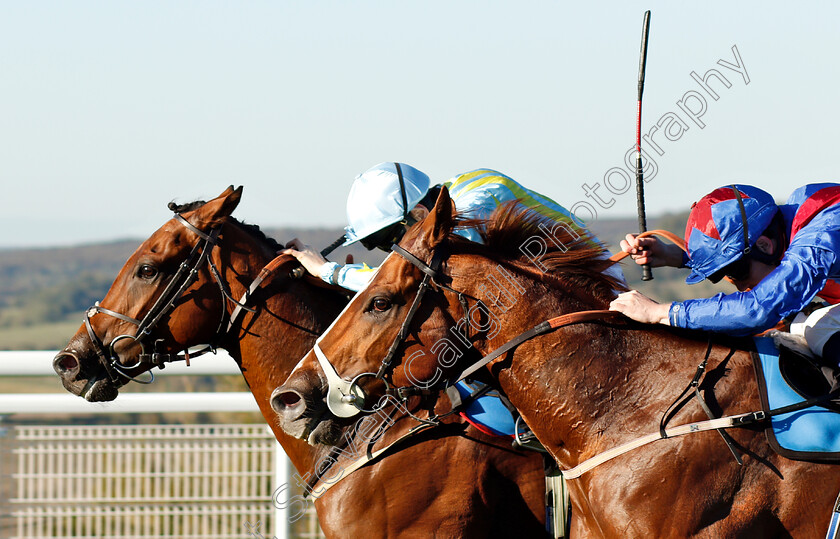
[
  {"x": 487, "y": 413},
  {"x": 808, "y": 434}
]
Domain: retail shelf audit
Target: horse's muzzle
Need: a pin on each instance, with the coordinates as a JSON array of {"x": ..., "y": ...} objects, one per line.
[{"x": 301, "y": 409}]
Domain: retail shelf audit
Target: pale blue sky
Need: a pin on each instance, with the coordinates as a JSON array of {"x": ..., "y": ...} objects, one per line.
[{"x": 111, "y": 109}]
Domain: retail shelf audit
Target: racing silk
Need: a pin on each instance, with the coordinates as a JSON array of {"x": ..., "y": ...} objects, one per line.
[
  {"x": 475, "y": 194},
  {"x": 808, "y": 269},
  {"x": 478, "y": 193}
]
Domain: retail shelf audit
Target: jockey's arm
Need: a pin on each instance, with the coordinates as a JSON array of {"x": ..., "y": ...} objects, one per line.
[
  {"x": 786, "y": 290},
  {"x": 350, "y": 276}
]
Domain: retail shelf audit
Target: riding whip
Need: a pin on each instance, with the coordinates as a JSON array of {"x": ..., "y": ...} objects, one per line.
[
  {"x": 640, "y": 190},
  {"x": 333, "y": 246}
]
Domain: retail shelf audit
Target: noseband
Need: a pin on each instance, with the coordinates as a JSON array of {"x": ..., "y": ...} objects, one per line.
[{"x": 183, "y": 278}]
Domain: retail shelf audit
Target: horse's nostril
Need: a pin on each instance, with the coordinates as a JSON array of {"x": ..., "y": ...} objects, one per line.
[
  {"x": 289, "y": 399},
  {"x": 68, "y": 362},
  {"x": 286, "y": 400},
  {"x": 65, "y": 363}
]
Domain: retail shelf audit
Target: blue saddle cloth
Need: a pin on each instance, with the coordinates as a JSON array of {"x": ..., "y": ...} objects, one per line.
[
  {"x": 811, "y": 433},
  {"x": 487, "y": 412}
]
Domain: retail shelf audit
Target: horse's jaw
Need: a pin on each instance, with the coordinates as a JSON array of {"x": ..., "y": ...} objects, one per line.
[
  {"x": 98, "y": 388},
  {"x": 326, "y": 432},
  {"x": 316, "y": 431}
]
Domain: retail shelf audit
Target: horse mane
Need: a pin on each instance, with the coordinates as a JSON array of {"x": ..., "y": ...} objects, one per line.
[
  {"x": 252, "y": 230},
  {"x": 576, "y": 261}
]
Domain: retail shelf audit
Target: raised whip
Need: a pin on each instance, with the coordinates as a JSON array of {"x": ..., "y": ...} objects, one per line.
[{"x": 640, "y": 190}]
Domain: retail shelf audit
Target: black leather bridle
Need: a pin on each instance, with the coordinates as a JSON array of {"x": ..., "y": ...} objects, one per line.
[
  {"x": 345, "y": 399},
  {"x": 178, "y": 284}
]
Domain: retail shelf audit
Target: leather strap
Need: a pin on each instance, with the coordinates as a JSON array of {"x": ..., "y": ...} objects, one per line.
[
  {"x": 430, "y": 269},
  {"x": 402, "y": 191},
  {"x": 194, "y": 230},
  {"x": 540, "y": 329},
  {"x": 266, "y": 273},
  {"x": 744, "y": 229},
  {"x": 670, "y": 236},
  {"x": 364, "y": 459},
  {"x": 700, "y": 426}
]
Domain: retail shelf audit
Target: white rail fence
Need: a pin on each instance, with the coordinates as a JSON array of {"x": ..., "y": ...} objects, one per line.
[
  {"x": 137, "y": 481},
  {"x": 133, "y": 481}
]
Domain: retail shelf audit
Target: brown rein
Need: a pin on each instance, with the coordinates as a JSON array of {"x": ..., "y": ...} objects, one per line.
[{"x": 670, "y": 236}]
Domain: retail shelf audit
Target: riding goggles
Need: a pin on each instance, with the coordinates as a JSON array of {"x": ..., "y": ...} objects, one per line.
[{"x": 738, "y": 270}]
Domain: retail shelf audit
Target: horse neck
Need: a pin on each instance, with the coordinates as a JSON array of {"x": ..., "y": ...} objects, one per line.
[
  {"x": 599, "y": 379},
  {"x": 268, "y": 344}
]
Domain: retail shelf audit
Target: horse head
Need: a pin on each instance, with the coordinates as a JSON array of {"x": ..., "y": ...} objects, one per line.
[
  {"x": 160, "y": 305},
  {"x": 322, "y": 396}
]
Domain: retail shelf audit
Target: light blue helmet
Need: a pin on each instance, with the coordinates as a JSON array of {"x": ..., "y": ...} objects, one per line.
[{"x": 382, "y": 196}]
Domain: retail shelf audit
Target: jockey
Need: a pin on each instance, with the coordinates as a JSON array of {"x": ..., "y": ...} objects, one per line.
[
  {"x": 389, "y": 198},
  {"x": 780, "y": 258}
]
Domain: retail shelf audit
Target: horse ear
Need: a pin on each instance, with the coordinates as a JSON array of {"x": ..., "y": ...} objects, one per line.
[
  {"x": 440, "y": 221},
  {"x": 214, "y": 212}
]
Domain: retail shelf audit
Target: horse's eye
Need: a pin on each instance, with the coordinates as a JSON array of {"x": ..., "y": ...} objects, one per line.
[
  {"x": 147, "y": 272},
  {"x": 380, "y": 304}
]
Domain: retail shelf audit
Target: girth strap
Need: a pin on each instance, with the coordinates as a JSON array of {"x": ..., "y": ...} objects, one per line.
[
  {"x": 734, "y": 421},
  {"x": 695, "y": 385},
  {"x": 700, "y": 426}
]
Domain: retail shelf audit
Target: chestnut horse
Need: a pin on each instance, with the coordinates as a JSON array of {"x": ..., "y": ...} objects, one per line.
[
  {"x": 448, "y": 481},
  {"x": 583, "y": 388}
]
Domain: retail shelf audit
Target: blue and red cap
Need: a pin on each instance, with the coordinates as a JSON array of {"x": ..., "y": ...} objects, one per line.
[{"x": 723, "y": 226}]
